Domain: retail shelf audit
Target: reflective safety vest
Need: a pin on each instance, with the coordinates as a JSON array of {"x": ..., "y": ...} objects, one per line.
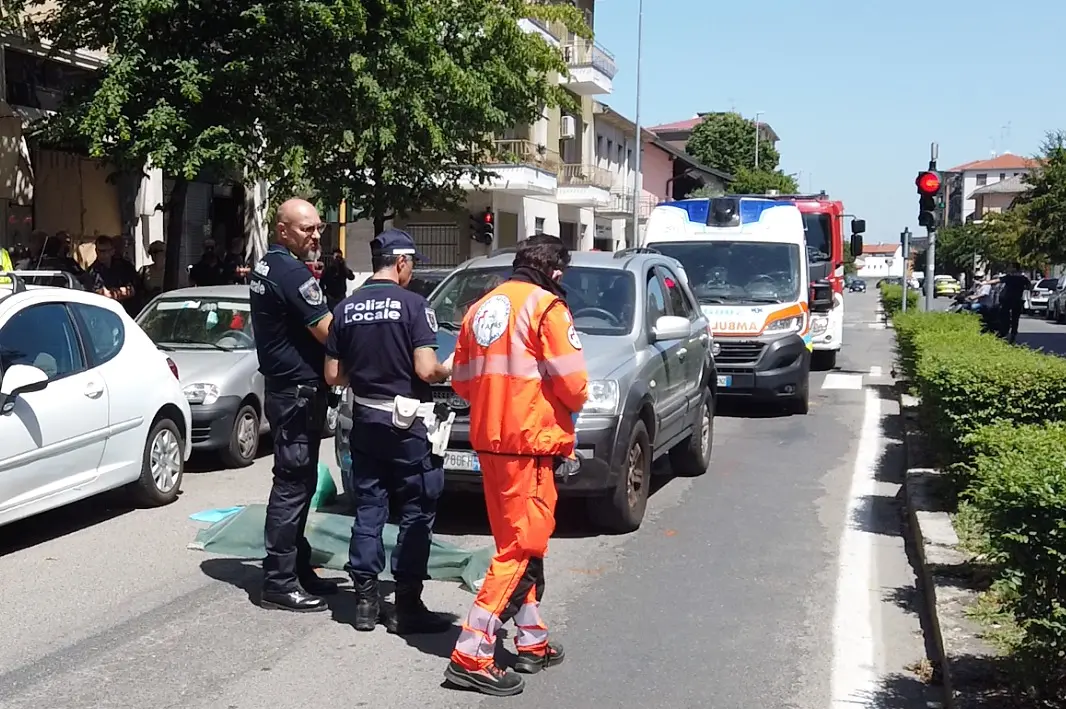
[
  {"x": 5, "y": 265},
  {"x": 518, "y": 361}
]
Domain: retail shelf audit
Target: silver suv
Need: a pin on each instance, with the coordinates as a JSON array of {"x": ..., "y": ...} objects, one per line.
[{"x": 652, "y": 379}]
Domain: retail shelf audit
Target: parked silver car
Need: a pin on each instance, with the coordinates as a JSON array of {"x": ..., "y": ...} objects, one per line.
[
  {"x": 652, "y": 389},
  {"x": 207, "y": 331}
]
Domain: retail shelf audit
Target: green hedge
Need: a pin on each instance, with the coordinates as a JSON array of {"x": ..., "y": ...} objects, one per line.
[
  {"x": 892, "y": 299},
  {"x": 1018, "y": 495},
  {"x": 915, "y": 329}
]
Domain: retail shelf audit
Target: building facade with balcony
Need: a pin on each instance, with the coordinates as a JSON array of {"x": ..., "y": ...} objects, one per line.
[{"x": 965, "y": 196}]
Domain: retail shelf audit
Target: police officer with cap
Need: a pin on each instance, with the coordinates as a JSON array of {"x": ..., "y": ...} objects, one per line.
[
  {"x": 290, "y": 322},
  {"x": 383, "y": 344}
]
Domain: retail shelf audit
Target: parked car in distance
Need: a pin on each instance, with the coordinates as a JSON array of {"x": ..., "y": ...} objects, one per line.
[
  {"x": 945, "y": 285},
  {"x": 207, "y": 331},
  {"x": 652, "y": 388},
  {"x": 1036, "y": 300},
  {"x": 856, "y": 284},
  {"x": 426, "y": 279},
  {"x": 87, "y": 403}
]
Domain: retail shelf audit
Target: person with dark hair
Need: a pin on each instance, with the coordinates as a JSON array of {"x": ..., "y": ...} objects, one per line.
[
  {"x": 235, "y": 263},
  {"x": 113, "y": 276},
  {"x": 290, "y": 323},
  {"x": 335, "y": 277},
  {"x": 383, "y": 344},
  {"x": 209, "y": 270},
  {"x": 518, "y": 361},
  {"x": 1012, "y": 301}
]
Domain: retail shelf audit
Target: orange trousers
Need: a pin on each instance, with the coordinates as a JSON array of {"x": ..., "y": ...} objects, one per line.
[{"x": 520, "y": 496}]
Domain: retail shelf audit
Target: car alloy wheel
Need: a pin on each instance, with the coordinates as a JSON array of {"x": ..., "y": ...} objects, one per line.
[
  {"x": 635, "y": 475},
  {"x": 247, "y": 435},
  {"x": 165, "y": 460}
]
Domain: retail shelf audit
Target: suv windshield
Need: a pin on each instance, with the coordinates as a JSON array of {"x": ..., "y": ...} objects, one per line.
[
  {"x": 601, "y": 299},
  {"x": 1047, "y": 283},
  {"x": 199, "y": 323},
  {"x": 819, "y": 232},
  {"x": 738, "y": 271}
]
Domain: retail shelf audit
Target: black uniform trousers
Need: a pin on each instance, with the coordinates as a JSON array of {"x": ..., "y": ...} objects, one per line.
[
  {"x": 297, "y": 415},
  {"x": 1010, "y": 313},
  {"x": 392, "y": 468}
]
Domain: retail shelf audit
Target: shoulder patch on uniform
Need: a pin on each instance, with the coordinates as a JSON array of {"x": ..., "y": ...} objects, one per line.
[
  {"x": 491, "y": 320},
  {"x": 431, "y": 318},
  {"x": 311, "y": 292},
  {"x": 571, "y": 334}
]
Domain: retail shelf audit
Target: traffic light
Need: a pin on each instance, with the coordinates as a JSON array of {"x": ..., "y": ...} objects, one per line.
[
  {"x": 928, "y": 183},
  {"x": 482, "y": 227}
]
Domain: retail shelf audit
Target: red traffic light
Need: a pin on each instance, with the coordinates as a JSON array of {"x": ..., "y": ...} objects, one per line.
[
  {"x": 928, "y": 182},
  {"x": 487, "y": 217}
]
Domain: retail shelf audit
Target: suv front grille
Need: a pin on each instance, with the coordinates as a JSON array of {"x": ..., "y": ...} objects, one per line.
[{"x": 742, "y": 352}]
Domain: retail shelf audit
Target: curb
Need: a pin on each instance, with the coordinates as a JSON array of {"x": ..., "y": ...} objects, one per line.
[{"x": 935, "y": 545}]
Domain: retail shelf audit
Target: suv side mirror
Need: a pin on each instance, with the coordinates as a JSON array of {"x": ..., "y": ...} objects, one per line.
[
  {"x": 821, "y": 297},
  {"x": 858, "y": 226},
  {"x": 856, "y": 245},
  {"x": 670, "y": 327},
  {"x": 20, "y": 379}
]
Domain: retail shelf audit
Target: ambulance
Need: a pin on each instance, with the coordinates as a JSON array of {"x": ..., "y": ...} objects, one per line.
[{"x": 745, "y": 259}]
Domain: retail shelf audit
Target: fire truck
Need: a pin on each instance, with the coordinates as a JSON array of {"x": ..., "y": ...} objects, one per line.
[{"x": 823, "y": 224}]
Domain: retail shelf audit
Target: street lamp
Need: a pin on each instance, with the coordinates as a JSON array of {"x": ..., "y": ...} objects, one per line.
[
  {"x": 640, "y": 139},
  {"x": 757, "y": 114}
]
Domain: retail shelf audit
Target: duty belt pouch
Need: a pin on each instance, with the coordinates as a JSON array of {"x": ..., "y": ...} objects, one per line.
[{"x": 404, "y": 412}]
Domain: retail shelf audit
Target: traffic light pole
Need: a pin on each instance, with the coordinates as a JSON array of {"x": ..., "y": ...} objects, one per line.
[
  {"x": 930, "y": 252},
  {"x": 905, "y": 237}
]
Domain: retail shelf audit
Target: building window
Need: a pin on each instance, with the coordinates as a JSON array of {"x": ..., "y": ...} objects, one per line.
[
  {"x": 1002, "y": 176},
  {"x": 610, "y": 148},
  {"x": 538, "y": 225},
  {"x": 599, "y": 146},
  {"x": 629, "y": 158},
  {"x": 620, "y": 149},
  {"x": 982, "y": 179}
]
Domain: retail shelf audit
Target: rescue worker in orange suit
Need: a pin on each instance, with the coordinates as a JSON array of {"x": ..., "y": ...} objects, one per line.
[{"x": 518, "y": 361}]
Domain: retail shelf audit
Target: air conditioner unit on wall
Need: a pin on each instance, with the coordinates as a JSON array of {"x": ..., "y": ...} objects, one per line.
[{"x": 568, "y": 129}]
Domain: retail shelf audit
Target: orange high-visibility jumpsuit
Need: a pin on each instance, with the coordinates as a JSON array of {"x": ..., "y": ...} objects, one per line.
[{"x": 518, "y": 361}]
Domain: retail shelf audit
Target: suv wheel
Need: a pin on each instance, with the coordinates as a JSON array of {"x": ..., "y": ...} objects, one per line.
[
  {"x": 243, "y": 439},
  {"x": 801, "y": 404},
  {"x": 692, "y": 457},
  {"x": 623, "y": 509}
]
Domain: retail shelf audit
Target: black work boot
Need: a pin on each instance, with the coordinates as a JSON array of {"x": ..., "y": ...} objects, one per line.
[
  {"x": 316, "y": 585},
  {"x": 367, "y": 604},
  {"x": 412, "y": 617},
  {"x": 529, "y": 663},
  {"x": 493, "y": 680}
]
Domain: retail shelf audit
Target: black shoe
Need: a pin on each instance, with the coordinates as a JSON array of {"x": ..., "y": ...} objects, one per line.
[
  {"x": 529, "y": 663},
  {"x": 295, "y": 601},
  {"x": 318, "y": 586},
  {"x": 492, "y": 680},
  {"x": 411, "y": 616},
  {"x": 367, "y": 605}
]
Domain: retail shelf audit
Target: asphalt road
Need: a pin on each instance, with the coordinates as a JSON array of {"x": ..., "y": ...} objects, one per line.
[{"x": 779, "y": 579}]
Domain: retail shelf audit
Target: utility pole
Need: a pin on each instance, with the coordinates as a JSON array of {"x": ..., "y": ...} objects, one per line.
[
  {"x": 905, "y": 239},
  {"x": 757, "y": 114},
  {"x": 640, "y": 138}
]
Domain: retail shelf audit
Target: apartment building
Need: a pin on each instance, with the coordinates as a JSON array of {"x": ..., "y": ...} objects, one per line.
[
  {"x": 549, "y": 179},
  {"x": 970, "y": 189},
  {"x": 676, "y": 134}
]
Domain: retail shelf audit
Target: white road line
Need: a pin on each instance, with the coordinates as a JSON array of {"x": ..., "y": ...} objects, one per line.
[
  {"x": 855, "y": 678},
  {"x": 876, "y": 325},
  {"x": 875, "y": 371},
  {"x": 839, "y": 380}
]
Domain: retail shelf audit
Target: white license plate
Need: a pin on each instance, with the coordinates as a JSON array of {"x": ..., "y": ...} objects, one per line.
[
  {"x": 462, "y": 460},
  {"x": 725, "y": 381}
]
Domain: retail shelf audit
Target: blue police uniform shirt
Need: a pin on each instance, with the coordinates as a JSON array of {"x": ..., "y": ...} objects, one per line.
[
  {"x": 286, "y": 299},
  {"x": 374, "y": 335}
]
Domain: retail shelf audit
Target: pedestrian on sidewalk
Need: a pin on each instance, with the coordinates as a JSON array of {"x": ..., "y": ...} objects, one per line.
[
  {"x": 383, "y": 344},
  {"x": 1012, "y": 301},
  {"x": 290, "y": 323},
  {"x": 518, "y": 361}
]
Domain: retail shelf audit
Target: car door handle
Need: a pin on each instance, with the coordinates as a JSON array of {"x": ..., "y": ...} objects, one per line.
[
  {"x": 94, "y": 390},
  {"x": 682, "y": 353}
]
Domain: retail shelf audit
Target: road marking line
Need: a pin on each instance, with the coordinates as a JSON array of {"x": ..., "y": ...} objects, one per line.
[
  {"x": 876, "y": 325},
  {"x": 839, "y": 380},
  {"x": 855, "y": 679},
  {"x": 875, "y": 371}
]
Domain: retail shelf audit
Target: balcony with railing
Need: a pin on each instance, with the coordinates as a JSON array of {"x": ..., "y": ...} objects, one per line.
[
  {"x": 521, "y": 167},
  {"x": 620, "y": 204},
  {"x": 584, "y": 185},
  {"x": 592, "y": 68}
]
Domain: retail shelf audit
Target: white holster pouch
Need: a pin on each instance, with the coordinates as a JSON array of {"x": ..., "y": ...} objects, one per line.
[{"x": 405, "y": 410}]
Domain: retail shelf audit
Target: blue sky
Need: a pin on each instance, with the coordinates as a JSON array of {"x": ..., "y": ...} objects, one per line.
[{"x": 856, "y": 89}]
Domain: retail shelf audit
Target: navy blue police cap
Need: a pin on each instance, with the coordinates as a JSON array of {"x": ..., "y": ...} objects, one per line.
[{"x": 396, "y": 242}]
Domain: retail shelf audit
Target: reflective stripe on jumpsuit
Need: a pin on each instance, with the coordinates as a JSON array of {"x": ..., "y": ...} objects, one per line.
[{"x": 524, "y": 418}]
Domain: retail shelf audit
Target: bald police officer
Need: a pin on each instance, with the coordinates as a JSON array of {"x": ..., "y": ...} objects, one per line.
[
  {"x": 290, "y": 322},
  {"x": 383, "y": 344}
]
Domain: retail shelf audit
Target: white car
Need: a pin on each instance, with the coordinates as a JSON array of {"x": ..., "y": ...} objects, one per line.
[{"x": 87, "y": 403}]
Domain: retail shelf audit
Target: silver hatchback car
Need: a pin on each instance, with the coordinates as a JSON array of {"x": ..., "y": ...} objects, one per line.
[{"x": 652, "y": 380}]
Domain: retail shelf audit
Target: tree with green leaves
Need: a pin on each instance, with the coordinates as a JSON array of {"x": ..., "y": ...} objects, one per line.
[
  {"x": 750, "y": 181},
  {"x": 1045, "y": 203},
  {"x": 416, "y": 99},
  {"x": 726, "y": 141}
]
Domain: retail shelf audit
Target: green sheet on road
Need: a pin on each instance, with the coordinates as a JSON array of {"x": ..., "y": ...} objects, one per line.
[{"x": 241, "y": 536}]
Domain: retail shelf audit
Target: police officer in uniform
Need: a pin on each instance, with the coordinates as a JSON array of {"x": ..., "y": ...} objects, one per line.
[
  {"x": 290, "y": 321},
  {"x": 383, "y": 344}
]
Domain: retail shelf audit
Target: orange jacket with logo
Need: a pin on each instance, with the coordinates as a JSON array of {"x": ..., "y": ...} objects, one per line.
[{"x": 518, "y": 361}]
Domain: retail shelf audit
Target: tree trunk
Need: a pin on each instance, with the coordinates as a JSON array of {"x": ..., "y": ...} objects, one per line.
[{"x": 175, "y": 233}]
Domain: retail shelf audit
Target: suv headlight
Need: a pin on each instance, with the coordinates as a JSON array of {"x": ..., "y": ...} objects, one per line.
[
  {"x": 793, "y": 324},
  {"x": 603, "y": 397},
  {"x": 205, "y": 394},
  {"x": 819, "y": 325}
]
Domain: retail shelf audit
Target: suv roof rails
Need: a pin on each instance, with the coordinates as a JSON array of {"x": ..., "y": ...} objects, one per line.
[
  {"x": 637, "y": 250},
  {"x": 19, "y": 278}
]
